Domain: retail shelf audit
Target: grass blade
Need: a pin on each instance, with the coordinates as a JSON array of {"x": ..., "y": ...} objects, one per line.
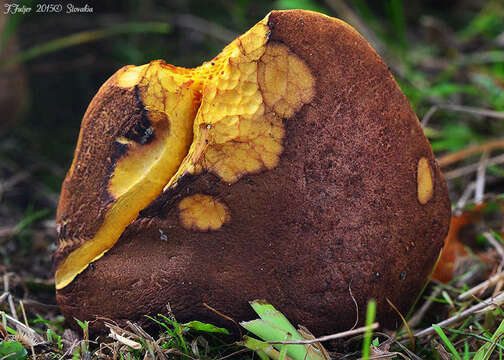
[
  {"x": 85, "y": 37},
  {"x": 487, "y": 349},
  {"x": 261, "y": 348},
  {"x": 370, "y": 316},
  {"x": 204, "y": 327},
  {"x": 405, "y": 324},
  {"x": 268, "y": 313},
  {"x": 269, "y": 332},
  {"x": 447, "y": 341},
  {"x": 283, "y": 352}
]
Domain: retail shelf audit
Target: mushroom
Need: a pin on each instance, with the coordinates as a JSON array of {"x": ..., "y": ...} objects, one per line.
[{"x": 289, "y": 168}]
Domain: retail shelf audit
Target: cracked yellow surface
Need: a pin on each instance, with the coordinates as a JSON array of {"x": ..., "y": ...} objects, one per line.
[
  {"x": 425, "y": 184},
  {"x": 224, "y": 117},
  {"x": 203, "y": 213}
]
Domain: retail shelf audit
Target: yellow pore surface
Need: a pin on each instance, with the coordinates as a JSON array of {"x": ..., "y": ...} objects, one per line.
[
  {"x": 425, "y": 184},
  {"x": 224, "y": 117}
]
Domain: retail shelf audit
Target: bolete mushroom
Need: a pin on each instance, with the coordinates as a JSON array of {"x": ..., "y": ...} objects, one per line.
[{"x": 289, "y": 168}]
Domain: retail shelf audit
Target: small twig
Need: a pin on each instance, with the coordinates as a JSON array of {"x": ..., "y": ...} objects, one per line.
[
  {"x": 474, "y": 110},
  {"x": 12, "y": 306},
  {"x": 329, "y": 337},
  {"x": 117, "y": 329},
  {"x": 461, "y": 203},
  {"x": 387, "y": 355},
  {"x": 482, "y": 306},
  {"x": 204, "y": 26},
  {"x": 481, "y": 287},
  {"x": 124, "y": 340},
  {"x": 479, "y": 191},
  {"x": 4, "y": 320},
  {"x": 7, "y": 231},
  {"x": 3, "y": 332},
  {"x": 472, "y": 150},
  {"x": 485, "y": 57},
  {"x": 356, "y": 305},
  {"x": 398, "y": 343},
  {"x": 225, "y": 317},
  {"x": 428, "y": 115},
  {"x": 141, "y": 332},
  {"x": 465, "y": 170},
  {"x": 415, "y": 319},
  {"x": 306, "y": 334},
  {"x": 24, "y": 313},
  {"x": 3, "y": 297},
  {"x": 235, "y": 353},
  {"x": 469, "y": 275},
  {"x": 71, "y": 349},
  {"x": 175, "y": 352},
  {"x": 19, "y": 323},
  {"x": 441, "y": 351},
  {"x": 9, "y": 183},
  {"x": 6, "y": 282},
  {"x": 28, "y": 327},
  {"x": 34, "y": 304},
  {"x": 460, "y": 108},
  {"x": 496, "y": 244}
]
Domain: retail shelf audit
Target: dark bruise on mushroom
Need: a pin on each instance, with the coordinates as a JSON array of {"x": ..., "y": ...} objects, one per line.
[{"x": 288, "y": 168}]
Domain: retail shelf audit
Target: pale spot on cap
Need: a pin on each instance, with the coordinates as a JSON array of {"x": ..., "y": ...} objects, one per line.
[
  {"x": 425, "y": 183},
  {"x": 203, "y": 213}
]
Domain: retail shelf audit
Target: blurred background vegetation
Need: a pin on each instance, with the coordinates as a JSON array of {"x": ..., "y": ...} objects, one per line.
[{"x": 447, "y": 56}]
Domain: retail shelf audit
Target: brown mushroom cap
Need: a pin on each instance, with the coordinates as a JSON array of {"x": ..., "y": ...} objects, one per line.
[{"x": 331, "y": 186}]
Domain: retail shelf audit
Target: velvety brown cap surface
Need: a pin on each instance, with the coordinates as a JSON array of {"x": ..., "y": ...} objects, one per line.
[
  {"x": 339, "y": 211},
  {"x": 118, "y": 112}
]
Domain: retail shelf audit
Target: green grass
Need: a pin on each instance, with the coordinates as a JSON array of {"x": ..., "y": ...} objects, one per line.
[
  {"x": 447, "y": 342},
  {"x": 478, "y": 337},
  {"x": 84, "y": 37}
]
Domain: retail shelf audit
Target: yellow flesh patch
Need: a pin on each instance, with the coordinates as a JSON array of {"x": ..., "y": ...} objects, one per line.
[
  {"x": 130, "y": 75},
  {"x": 203, "y": 213},
  {"x": 140, "y": 175},
  {"x": 223, "y": 117},
  {"x": 424, "y": 181}
]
